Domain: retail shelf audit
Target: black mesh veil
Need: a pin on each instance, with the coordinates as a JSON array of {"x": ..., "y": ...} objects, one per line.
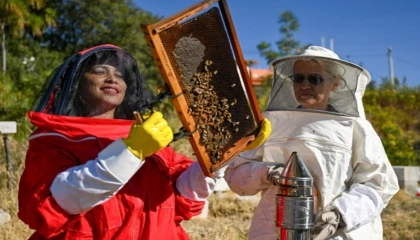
[{"x": 60, "y": 94}]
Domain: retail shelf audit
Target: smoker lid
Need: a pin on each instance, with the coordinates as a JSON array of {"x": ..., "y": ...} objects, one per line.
[{"x": 295, "y": 173}]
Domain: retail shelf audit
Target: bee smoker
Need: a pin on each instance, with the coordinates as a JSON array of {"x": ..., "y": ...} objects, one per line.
[{"x": 295, "y": 201}]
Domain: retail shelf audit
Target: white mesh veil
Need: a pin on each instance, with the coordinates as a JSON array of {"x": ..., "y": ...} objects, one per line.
[{"x": 346, "y": 99}]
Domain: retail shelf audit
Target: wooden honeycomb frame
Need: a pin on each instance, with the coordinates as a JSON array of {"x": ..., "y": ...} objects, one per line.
[{"x": 168, "y": 72}]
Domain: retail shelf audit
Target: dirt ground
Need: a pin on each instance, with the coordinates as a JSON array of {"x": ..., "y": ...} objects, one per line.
[{"x": 229, "y": 217}]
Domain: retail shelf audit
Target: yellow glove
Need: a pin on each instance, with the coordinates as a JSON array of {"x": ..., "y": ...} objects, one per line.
[
  {"x": 149, "y": 137},
  {"x": 264, "y": 133}
]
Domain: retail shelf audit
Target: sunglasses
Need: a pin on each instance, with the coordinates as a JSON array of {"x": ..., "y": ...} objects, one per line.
[{"x": 313, "y": 78}]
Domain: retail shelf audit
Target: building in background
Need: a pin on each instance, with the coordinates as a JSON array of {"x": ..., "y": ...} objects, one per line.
[{"x": 258, "y": 75}]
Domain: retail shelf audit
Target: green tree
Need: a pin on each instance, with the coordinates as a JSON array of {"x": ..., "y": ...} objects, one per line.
[
  {"x": 20, "y": 21},
  {"x": 82, "y": 24},
  {"x": 263, "y": 92},
  {"x": 29, "y": 65},
  {"x": 286, "y": 46},
  {"x": 395, "y": 113},
  {"x": 78, "y": 25},
  {"x": 20, "y": 14}
]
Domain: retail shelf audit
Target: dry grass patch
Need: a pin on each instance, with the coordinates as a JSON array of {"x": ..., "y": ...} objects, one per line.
[
  {"x": 14, "y": 229},
  {"x": 401, "y": 218},
  {"x": 229, "y": 218}
]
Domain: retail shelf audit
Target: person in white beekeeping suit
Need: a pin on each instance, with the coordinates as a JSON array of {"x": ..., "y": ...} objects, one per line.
[{"x": 315, "y": 108}]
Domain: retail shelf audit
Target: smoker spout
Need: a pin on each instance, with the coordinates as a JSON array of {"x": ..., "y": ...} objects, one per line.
[
  {"x": 295, "y": 201},
  {"x": 295, "y": 179}
]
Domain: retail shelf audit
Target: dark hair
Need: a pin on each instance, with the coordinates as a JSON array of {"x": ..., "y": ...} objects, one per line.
[{"x": 125, "y": 64}]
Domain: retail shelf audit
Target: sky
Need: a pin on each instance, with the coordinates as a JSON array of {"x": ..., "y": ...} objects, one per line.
[{"x": 362, "y": 31}]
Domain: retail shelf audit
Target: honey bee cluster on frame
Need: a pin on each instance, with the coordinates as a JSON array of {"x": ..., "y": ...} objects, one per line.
[{"x": 211, "y": 113}]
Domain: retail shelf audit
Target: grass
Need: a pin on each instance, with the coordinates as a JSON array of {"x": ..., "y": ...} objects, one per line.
[
  {"x": 228, "y": 217},
  {"x": 401, "y": 218}
]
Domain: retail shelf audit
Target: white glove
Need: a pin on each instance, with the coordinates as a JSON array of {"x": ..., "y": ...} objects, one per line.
[
  {"x": 220, "y": 173},
  {"x": 274, "y": 172},
  {"x": 194, "y": 185},
  {"x": 327, "y": 224}
]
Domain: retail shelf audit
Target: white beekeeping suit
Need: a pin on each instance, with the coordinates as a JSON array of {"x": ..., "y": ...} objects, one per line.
[{"x": 340, "y": 148}]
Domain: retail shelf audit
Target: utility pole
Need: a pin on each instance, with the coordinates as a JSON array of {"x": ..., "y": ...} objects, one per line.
[
  {"x": 332, "y": 44},
  {"x": 323, "y": 41},
  {"x": 391, "y": 67}
]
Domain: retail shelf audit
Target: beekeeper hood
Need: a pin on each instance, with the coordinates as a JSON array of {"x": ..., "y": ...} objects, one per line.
[
  {"x": 61, "y": 95},
  {"x": 346, "y": 99}
]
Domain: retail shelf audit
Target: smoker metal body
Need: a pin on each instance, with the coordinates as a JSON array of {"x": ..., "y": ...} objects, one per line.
[{"x": 295, "y": 201}]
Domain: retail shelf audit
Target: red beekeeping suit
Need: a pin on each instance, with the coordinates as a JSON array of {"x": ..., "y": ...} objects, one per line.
[
  {"x": 82, "y": 182},
  {"x": 147, "y": 207}
]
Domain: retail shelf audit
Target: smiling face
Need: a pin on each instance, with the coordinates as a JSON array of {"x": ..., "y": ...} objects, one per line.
[
  {"x": 103, "y": 90},
  {"x": 309, "y": 95}
]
